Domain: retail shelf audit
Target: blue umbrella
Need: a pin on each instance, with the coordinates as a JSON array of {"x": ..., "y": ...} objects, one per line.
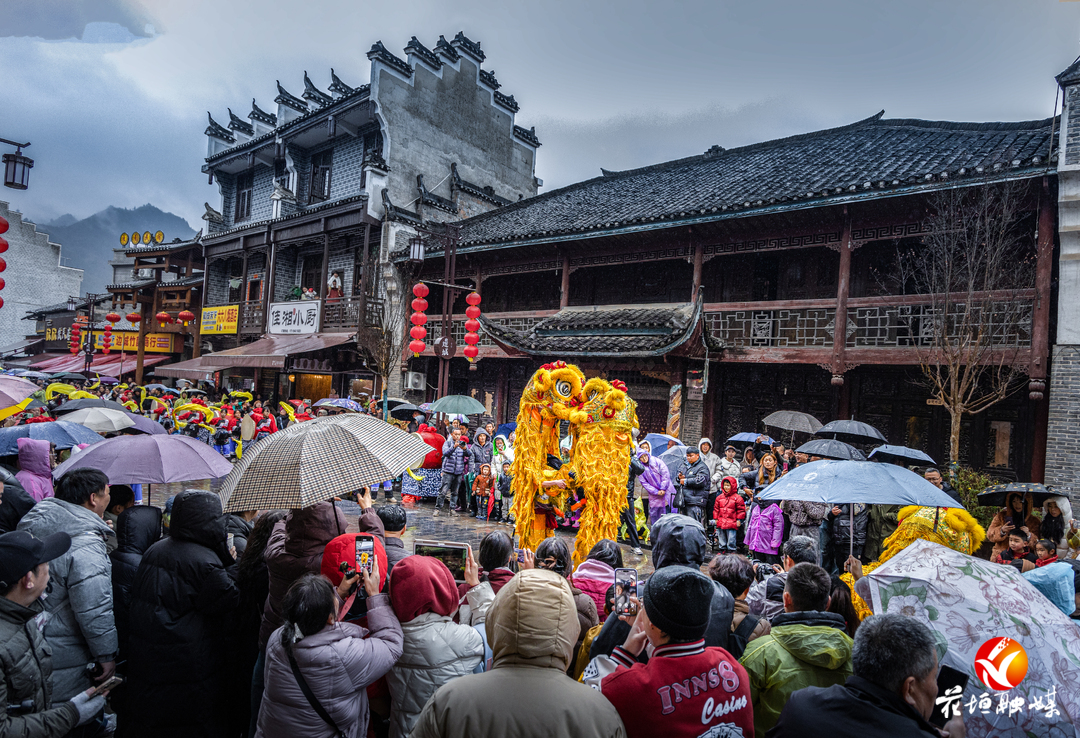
[
  {"x": 60, "y": 433},
  {"x": 658, "y": 442},
  {"x": 903, "y": 454},
  {"x": 504, "y": 430},
  {"x": 749, "y": 438}
]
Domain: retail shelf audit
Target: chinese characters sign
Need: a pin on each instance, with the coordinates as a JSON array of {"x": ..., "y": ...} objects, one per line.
[
  {"x": 220, "y": 320},
  {"x": 293, "y": 318},
  {"x": 161, "y": 343}
]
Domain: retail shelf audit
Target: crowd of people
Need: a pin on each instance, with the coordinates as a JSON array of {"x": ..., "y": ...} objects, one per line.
[{"x": 125, "y": 619}]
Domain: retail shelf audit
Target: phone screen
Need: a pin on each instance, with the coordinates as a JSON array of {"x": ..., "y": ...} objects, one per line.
[
  {"x": 229, "y": 539},
  {"x": 111, "y": 683},
  {"x": 625, "y": 585},
  {"x": 365, "y": 549},
  {"x": 951, "y": 684},
  {"x": 451, "y": 554}
]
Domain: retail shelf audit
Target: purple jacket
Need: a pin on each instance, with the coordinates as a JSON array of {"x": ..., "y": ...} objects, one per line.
[
  {"x": 765, "y": 529},
  {"x": 453, "y": 458},
  {"x": 36, "y": 474},
  {"x": 656, "y": 480},
  {"x": 338, "y": 663}
]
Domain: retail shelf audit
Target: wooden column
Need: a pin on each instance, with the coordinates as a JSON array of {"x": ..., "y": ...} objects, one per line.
[
  {"x": 325, "y": 274},
  {"x": 141, "y": 344},
  {"x": 1040, "y": 331},
  {"x": 271, "y": 265},
  {"x": 243, "y": 295},
  {"x": 196, "y": 331},
  {"x": 699, "y": 261},
  {"x": 364, "y": 267},
  {"x": 564, "y": 290},
  {"x": 842, "y": 288}
]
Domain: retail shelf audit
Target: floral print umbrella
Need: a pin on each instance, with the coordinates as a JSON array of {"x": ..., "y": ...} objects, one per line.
[{"x": 967, "y": 601}]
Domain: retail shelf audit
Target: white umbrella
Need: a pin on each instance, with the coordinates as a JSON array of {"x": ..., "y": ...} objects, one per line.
[{"x": 101, "y": 419}]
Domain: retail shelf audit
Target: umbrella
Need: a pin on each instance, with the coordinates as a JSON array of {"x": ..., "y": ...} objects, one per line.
[
  {"x": 60, "y": 434},
  {"x": 845, "y": 482},
  {"x": 146, "y": 459},
  {"x": 69, "y": 376},
  {"x": 144, "y": 424},
  {"x": 87, "y": 402},
  {"x": 827, "y": 448},
  {"x": 968, "y": 601},
  {"x": 163, "y": 388},
  {"x": 792, "y": 420},
  {"x": 14, "y": 390},
  {"x": 750, "y": 438},
  {"x": 342, "y": 402},
  {"x": 852, "y": 431},
  {"x": 425, "y": 407},
  {"x": 995, "y": 496},
  {"x": 392, "y": 402},
  {"x": 906, "y": 456},
  {"x": 108, "y": 380},
  {"x": 102, "y": 420},
  {"x": 404, "y": 411},
  {"x": 33, "y": 375},
  {"x": 190, "y": 391},
  {"x": 658, "y": 442},
  {"x": 503, "y": 430},
  {"x": 460, "y": 404},
  {"x": 314, "y": 461}
]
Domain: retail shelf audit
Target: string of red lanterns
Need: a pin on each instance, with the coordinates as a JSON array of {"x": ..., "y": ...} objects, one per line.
[
  {"x": 3, "y": 248},
  {"x": 418, "y": 332},
  {"x": 106, "y": 341},
  {"x": 472, "y": 326}
]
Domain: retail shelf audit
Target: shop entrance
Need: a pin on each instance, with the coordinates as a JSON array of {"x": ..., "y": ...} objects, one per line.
[{"x": 313, "y": 387}]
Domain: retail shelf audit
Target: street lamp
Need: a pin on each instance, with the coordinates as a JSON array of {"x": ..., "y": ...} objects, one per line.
[
  {"x": 416, "y": 251},
  {"x": 16, "y": 166}
]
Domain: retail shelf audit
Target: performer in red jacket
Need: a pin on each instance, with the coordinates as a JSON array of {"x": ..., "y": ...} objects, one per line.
[{"x": 685, "y": 689}]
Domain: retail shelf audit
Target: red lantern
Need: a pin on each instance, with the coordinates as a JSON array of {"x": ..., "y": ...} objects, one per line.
[
  {"x": 3, "y": 245},
  {"x": 163, "y": 318},
  {"x": 472, "y": 312},
  {"x": 418, "y": 332},
  {"x": 185, "y": 316},
  {"x": 133, "y": 318},
  {"x": 472, "y": 326},
  {"x": 473, "y": 298},
  {"x": 74, "y": 348},
  {"x": 418, "y": 319},
  {"x": 3, "y": 225},
  {"x": 419, "y": 289},
  {"x": 75, "y": 331},
  {"x": 417, "y": 347},
  {"x": 471, "y": 352},
  {"x": 108, "y": 330},
  {"x": 113, "y": 317},
  {"x": 2, "y": 283},
  {"x": 3, "y": 265},
  {"x": 472, "y": 338},
  {"x": 419, "y": 304}
]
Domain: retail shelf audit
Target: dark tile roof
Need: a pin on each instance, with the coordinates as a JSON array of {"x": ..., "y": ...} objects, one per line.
[
  {"x": 132, "y": 285},
  {"x": 1071, "y": 75},
  {"x": 337, "y": 86},
  {"x": 62, "y": 307},
  {"x": 216, "y": 130},
  {"x": 872, "y": 158},
  {"x": 606, "y": 330},
  {"x": 171, "y": 246},
  {"x": 261, "y": 115},
  {"x": 313, "y": 93},
  {"x": 239, "y": 124}
]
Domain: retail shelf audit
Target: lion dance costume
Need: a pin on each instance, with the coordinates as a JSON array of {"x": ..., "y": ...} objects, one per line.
[
  {"x": 601, "y": 418},
  {"x": 953, "y": 527}
]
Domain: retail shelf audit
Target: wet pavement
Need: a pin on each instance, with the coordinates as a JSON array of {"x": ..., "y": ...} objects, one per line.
[{"x": 422, "y": 523}]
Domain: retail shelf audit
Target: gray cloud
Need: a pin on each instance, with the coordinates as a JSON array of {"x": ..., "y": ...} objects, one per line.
[{"x": 64, "y": 19}]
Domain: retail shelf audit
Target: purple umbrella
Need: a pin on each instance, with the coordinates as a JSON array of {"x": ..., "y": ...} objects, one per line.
[
  {"x": 14, "y": 390},
  {"x": 149, "y": 459},
  {"x": 144, "y": 424}
]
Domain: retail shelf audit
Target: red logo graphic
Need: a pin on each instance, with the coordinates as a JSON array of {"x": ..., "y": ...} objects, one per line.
[{"x": 1001, "y": 664}]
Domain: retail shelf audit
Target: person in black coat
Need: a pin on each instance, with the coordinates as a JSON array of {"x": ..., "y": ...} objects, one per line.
[
  {"x": 137, "y": 529},
  {"x": 182, "y": 606},
  {"x": 239, "y": 524},
  {"x": 15, "y": 503},
  {"x": 693, "y": 477}
]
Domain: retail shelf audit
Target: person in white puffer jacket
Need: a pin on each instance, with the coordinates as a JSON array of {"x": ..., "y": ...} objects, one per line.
[{"x": 436, "y": 649}]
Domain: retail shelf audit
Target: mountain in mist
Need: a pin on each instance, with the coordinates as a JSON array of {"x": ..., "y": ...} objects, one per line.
[{"x": 88, "y": 243}]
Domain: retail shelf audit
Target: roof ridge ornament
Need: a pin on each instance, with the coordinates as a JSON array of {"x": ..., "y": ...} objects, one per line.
[
  {"x": 218, "y": 131},
  {"x": 427, "y": 55},
  {"x": 261, "y": 115},
  {"x": 290, "y": 100},
  {"x": 488, "y": 78},
  {"x": 462, "y": 43},
  {"x": 239, "y": 124},
  {"x": 443, "y": 48},
  {"x": 381, "y": 53},
  {"x": 339, "y": 87},
  {"x": 314, "y": 94}
]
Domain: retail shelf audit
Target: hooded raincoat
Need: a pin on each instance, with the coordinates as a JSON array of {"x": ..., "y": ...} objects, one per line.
[
  {"x": 713, "y": 462},
  {"x": 803, "y": 649},
  {"x": 532, "y": 627},
  {"x": 656, "y": 481},
  {"x": 35, "y": 473}
]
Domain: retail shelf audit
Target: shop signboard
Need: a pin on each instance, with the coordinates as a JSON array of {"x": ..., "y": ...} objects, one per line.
[
  {"x": 220, "y": 320},
  {"x": 293, "y": 318}
]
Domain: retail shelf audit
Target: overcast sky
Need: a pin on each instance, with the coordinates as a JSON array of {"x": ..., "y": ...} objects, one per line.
[{"x": 113, "y": 94}]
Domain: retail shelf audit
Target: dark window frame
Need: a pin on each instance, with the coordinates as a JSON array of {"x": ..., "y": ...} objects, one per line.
[
  {"x": 245, "y": 184},
  {"x": 322, "y": 165}
]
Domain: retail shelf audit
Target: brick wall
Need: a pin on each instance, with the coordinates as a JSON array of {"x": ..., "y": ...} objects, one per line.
[
  {"x": 1063, "y": 434},
  {"x": 346, "y": 174},
  {"x": 1072, "y": 136}
]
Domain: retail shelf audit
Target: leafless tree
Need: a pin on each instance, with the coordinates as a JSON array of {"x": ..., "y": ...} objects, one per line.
[
  {"x": 976, "y": 268},
  {"x": 386, "y": 342}
]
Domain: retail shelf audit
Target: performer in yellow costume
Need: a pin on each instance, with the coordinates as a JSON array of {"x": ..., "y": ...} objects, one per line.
[
  {"x": 602, "y": 446},
  {"x": 949, "y": 526},
  {"x": 553, "y": 394}
]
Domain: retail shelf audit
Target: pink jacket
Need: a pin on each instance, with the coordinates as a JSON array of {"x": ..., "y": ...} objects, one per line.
[
  {"x": 765, "y": 529},
  {"x": 594, "y": 578},
  {"x": 36, "y": 473},
  {"x": 338, "y": 663}
]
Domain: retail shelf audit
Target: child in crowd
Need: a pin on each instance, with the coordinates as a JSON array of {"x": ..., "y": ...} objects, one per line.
[
  {"x": 1045, "y": 552},
  {"x": 483, "y": 486},
  {"x": 504, "y": 496},
  {"x": 1017, "y": 553}
]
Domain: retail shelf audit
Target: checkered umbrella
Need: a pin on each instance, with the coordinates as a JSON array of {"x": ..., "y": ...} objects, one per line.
[{"x": 317, "y": 460}]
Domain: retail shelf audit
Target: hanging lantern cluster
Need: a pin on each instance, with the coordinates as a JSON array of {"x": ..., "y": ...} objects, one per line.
[
  {"x": 418, "y": 319},
  {"x": 3, "y": 248},
  {"x": 472, "y": 326},
  {"x": 163, "y": 318},
  {"x": 106, "y": 341},
  {"x": 76, "y": 338},
  {"x": 185, "y": 316}
]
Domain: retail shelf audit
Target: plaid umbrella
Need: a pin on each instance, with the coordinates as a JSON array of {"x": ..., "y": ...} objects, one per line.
[{"x": 317, "y": 460}]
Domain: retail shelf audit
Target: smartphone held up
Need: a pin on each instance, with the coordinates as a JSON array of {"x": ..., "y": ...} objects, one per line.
[{"x": 625, "y": 586}]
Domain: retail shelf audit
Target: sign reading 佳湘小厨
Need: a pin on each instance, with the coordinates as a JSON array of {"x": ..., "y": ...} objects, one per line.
[{"x": 293, "y": 318}]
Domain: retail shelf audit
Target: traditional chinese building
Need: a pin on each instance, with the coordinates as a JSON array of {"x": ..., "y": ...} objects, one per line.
[
  {"x": 713, "y": 285},
  {"x": 317, "y": 189}
]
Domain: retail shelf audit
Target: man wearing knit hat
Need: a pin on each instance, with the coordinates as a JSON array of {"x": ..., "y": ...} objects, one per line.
[{"x": 686, "y": 688}]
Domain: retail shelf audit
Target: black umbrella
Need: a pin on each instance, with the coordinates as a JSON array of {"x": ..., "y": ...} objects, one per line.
[
  {"x": 792, "y": 420},
  {"x": 404, "y": 411},
  {"x": 72, "y": 405},
  {"x": 828, "y": 448},
  {"x": 902, "y": 454},
  {"x": 69, "y": 376},
  {"x": 852, "y": 431},
  {"x": 995, "y": 496}
]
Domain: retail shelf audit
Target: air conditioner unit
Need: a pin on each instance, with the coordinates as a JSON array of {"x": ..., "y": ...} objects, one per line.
[{"x": 415, "y": 381}]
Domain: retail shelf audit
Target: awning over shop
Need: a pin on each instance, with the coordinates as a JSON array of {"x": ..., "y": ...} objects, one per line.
[
  {"x": 194, "y": 369},
  {"x": 108, "y": 366},
  {"x": 19, "y": 346},
  {"x": 270, "y": 352}
]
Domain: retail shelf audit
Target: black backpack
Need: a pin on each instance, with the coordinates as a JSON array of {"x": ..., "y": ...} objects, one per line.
[{"x": 741, "y": 636}]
